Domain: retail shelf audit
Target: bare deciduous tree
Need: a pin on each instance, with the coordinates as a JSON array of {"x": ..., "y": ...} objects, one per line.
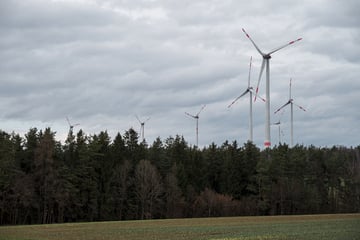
[{"x": 148, "y": 188}]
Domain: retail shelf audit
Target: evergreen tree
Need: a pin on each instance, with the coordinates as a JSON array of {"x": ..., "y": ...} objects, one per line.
[
  {"x": 214, "y": 162},
  {"x": 85, "y": 180},
  {"x": 158, "y": 157},
  {"x": 32, "y": 140},
  {"x": 120, "y": 187},
  {"x": 131, "y": 139},
  {"x": 45, "y": 176},
  {"x": 118, "y": 150},
  {"x": 7, "y": 176}
]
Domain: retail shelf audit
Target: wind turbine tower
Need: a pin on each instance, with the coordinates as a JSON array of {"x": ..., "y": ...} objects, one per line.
[
  {"x": 249, "y": 90},
  {"x": 196, "y": 117},
  {"x": 266, "y": 62},
  {"x": 291, "y": 102},
  {"x": 142, "y": 127}
]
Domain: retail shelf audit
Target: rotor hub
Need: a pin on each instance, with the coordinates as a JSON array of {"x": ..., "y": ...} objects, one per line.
[{"x": 267, "y": 56}]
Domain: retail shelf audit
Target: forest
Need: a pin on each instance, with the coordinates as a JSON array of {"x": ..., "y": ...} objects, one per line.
[{"x": 96, "y": 178}]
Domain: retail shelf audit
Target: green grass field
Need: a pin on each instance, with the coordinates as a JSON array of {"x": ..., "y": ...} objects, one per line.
[{"x": 307, "y": 227}]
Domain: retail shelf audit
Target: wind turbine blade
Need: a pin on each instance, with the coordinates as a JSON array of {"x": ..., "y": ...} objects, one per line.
[
  {"x": 257, "y": 95},
  {"x": 246, "y": 91},
  {"x": 67, "y": 119},
  {"x": 257, "y": 48},
  {"x": 190, "y": 115},
  {"x": 299, "y": 107},
  {"x": 147, "y": 119},
  {"x": 277, "y": 49},
  {"x": 249, "y": 72},
  {"x": 282, "y": 106},
  {"x": 77, "y": 124},
  {"x": 138, "y": 119},
  {"x": 258, "y": 83},
  {"x": 201, "y": 110}
]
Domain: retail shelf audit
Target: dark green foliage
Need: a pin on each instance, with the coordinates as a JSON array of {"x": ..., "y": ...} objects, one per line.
[{"x": 94, "y": 178}]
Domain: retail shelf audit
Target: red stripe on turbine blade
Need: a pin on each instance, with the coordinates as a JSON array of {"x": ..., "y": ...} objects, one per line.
[
  {"x": 295, "y": 41},
  {"x": 257, "y": 89},
  {"x": 246, "y": 33}
]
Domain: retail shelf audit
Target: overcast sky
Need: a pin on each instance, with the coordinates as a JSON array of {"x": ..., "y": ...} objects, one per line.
[{"x": 102, "y": 62}]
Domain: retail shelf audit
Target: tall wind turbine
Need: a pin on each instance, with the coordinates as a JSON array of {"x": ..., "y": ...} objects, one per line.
[
  {"x": 196, "y": 117},
  {"x": 291, "y": 102},
  {"x": 71, "y": 126},
  {"x": 142, "y": 127},
  {"x": 266, "y": 62},
  {"x": 249, "y": 90}
]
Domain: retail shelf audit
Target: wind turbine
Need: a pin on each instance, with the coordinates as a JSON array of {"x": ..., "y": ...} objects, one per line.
[
  {"x": 249, "y": 90},
  {"x": 70, "y": 125},
  {"x": 266, "y": 62},
  {"x": 291, "y": 102},
  {"x": 278, "y": 123},
  {"x": 142, "y": 127},
  {"x": 196, "y": 117}
]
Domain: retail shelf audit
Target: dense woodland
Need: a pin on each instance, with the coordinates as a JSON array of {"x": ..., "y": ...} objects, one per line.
[{"x": 95, "y": 178}]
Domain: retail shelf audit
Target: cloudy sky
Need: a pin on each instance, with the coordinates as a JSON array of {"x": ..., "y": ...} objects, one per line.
[{"x": 101, "y": 62}]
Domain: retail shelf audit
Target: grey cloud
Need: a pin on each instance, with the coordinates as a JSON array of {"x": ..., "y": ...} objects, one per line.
[
  {"x": 102, "y": 62},
  {"x": 38, "y": 14}
]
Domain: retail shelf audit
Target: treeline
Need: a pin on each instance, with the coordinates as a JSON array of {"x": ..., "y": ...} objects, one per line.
[{"x": 94, "y": 178}]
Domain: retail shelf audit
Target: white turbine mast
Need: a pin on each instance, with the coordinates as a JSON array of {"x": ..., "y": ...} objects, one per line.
[
  {"x": 142, "y": 127},
  {"x": 266, "y": 62},
  {"x": 196, "y": 117},
  {"x": 291, "y": 102},
  {"x": 249, "y": 90},
  {"x": 71, "y": 126}
]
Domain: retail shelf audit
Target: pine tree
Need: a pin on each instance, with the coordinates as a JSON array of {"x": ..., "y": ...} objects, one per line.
[{"x": 45, "y": 175}]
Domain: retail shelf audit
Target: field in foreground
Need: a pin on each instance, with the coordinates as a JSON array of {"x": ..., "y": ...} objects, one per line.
[{"x": 329, "y": 227}]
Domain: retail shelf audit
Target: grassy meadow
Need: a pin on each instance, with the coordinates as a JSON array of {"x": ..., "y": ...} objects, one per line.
[{"x": 307, "y": 227}]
